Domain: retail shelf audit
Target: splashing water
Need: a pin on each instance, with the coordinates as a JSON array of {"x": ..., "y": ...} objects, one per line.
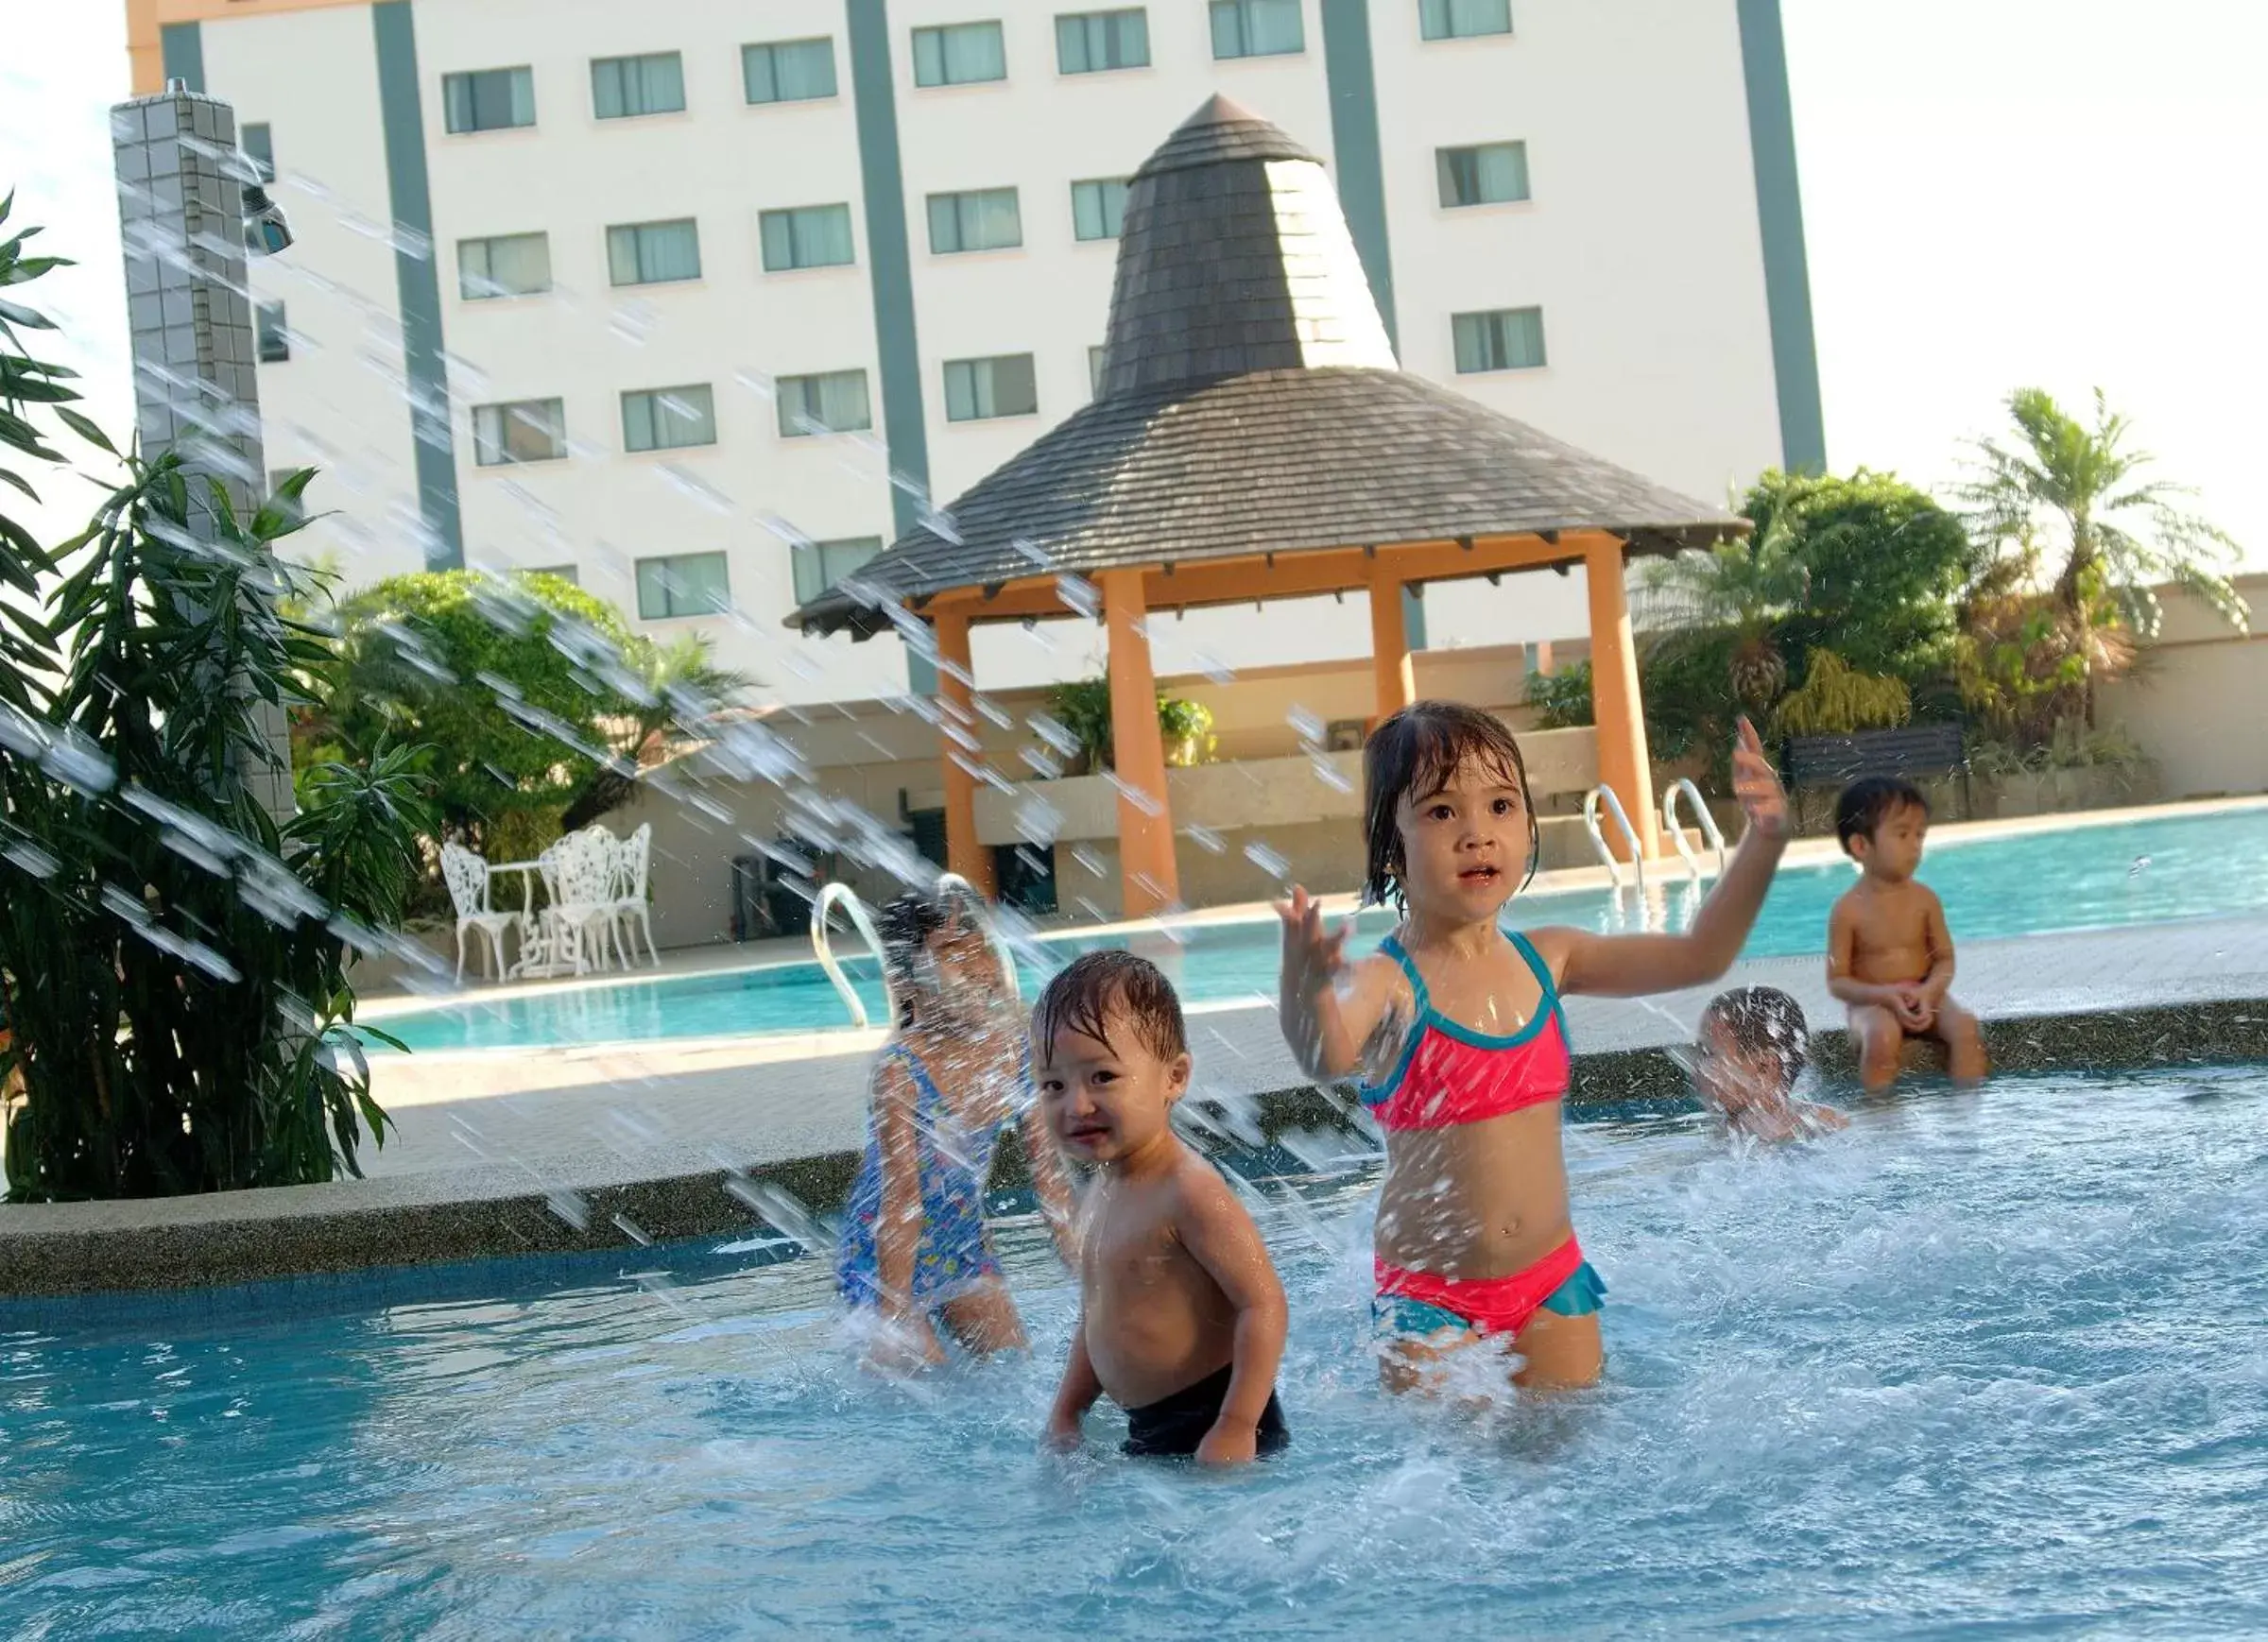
[{"x": 1985, "y": 1361}]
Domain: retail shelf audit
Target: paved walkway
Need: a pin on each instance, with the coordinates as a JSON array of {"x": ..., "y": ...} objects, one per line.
[{"x": 765, "y": 1100}]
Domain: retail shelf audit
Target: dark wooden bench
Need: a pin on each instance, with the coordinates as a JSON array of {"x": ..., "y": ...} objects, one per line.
[{"x": 1809, "y": 761}]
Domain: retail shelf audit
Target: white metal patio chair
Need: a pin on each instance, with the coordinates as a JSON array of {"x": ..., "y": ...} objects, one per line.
[
  {"x": 634, "y": 858},
  {"x": 467, "y": 875},
  {"x": 578, "y": 877}
]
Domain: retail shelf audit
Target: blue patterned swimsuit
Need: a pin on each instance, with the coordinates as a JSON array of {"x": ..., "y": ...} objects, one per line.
[{"x": 951, "y": 1256}]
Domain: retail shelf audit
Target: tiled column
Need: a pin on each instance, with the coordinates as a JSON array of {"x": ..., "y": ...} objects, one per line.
[{"x": 181, "y": 204}]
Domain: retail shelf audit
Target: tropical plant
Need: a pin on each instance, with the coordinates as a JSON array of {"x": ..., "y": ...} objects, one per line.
[
  {"x": 1836, "y": 699},
  {"x": 2068, "y": 510},
  {"x": 1562, "y": 699},
  {"x": 674, "y": 685},
  {"x": 175, "y": 960},
  {"x": 1884, "y": 568},
  {"x": 25, "y": 381},
  {"x": 1743, "y": 587},
  {"x": 527, "y": 690},
  {"x": 1186, "y": 727},
  {"x": 1082, "y": 707}
]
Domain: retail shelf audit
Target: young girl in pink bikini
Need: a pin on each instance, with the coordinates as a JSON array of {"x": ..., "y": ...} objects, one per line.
[{"x": 1456, "y": 1031}]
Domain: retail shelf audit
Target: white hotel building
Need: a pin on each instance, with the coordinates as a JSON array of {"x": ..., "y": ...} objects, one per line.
[{"x": 699, "y": 299}]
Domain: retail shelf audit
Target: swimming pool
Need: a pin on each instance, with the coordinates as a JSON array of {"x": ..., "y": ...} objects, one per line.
[
  {"x": 1992, "y": 1363},
  {"x": 2067, "y": 877}
]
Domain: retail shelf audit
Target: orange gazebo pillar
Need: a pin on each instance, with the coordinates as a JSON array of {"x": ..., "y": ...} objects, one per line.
[
  {"x": 1397, "y": 677},
  {"x": 1147, "y": 873},
  {"x": 956, "y": 735},
  {"x": 1616, "y": 707}
]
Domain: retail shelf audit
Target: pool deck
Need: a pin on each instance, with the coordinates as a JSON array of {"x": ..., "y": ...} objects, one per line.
[{"x": 509, "y": 1151}]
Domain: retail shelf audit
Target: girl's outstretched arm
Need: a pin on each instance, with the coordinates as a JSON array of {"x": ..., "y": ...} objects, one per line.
[
  {"x": 1632, "y": 965},
  {"x": 1327, "y": 1014},
  {"x": 897, "y": 1222}
]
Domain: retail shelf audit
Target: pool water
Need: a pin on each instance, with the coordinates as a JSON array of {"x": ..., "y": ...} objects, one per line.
[
  {"x": 2070, "y": 878},
  {"x": 1992, "y": 1364}
]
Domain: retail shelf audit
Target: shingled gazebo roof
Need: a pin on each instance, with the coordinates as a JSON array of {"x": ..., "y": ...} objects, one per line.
[{"x": 1251, "y": 405}]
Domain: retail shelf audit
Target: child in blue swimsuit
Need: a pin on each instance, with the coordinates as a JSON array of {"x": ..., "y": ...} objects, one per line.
[{"x": 954, "y": 1074}]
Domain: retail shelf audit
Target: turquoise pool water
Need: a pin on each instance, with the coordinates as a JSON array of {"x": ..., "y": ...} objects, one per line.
[
  {"x": 2067, "y": 879},
  {"x": 1983, "y": 1365}
]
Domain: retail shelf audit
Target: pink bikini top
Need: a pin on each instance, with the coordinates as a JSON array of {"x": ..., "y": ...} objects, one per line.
[{"x": 1452, "y": 1075}]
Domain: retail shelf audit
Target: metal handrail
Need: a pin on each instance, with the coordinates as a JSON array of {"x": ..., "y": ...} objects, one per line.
[
  {"x": 998, "y": 942},
  {"x": 822, "y": 947},
  {"x": 1707, "y": 823},
  {"x": 1598, "y": 839}
]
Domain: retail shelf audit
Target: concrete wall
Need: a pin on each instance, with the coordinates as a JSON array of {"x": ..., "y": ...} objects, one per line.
[
  {"x": 880, "y": 757},
  {"x": 2198, "y": 704}
]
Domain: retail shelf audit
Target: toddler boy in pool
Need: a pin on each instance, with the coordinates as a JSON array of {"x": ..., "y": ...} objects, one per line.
[
  {"x": 1182, "y": 1317},
  {"x": 1889, "y": 954},
  {"x": 1754, "y": 1044}
]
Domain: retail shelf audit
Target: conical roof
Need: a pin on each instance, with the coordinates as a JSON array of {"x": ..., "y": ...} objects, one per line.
[{"x": 1251, "y": 403}]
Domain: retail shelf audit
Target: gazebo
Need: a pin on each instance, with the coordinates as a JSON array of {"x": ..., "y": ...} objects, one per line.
[{"x": 1255, "y": 439}]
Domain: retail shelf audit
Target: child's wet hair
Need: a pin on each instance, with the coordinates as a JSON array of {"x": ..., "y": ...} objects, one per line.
[
  {"x": 1413, "y": 755},
  {"x": 1871, "y": 801},
  {"x": 1084, "y": 993},
  {"x": 1763, "y": 1020},
  {"x": 905, "y": 926}
]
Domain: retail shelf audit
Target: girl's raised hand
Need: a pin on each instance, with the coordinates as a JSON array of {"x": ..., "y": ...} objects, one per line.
[
  {"x": 1310, "y": 955},
  {"x": 1756, "y": 784}
]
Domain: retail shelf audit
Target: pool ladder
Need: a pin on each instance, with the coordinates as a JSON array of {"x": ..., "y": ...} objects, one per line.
[
  {"x": 822, "y": 946},
  {"x": 1702, "y": 818},
  {"x": 1591, "y": 800}
]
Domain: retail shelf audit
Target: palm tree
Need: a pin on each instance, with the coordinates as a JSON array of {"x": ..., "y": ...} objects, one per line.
[
  {"x": 2067, "y": 506},
  {"x": 1744, "y": 586},
  {"x": 673, "y": 686}
]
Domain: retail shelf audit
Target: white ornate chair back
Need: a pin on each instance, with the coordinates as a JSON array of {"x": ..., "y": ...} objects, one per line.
[
  {"x": 467, "y": 875},
  {"x": 637, "y": 854}
]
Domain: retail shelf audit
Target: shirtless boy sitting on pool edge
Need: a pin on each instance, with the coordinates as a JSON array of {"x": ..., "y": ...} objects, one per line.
[{"x": 1889, "y": 954}]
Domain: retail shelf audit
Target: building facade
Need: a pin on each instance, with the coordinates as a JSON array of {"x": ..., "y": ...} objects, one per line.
[{"x": 705, "y": 300}]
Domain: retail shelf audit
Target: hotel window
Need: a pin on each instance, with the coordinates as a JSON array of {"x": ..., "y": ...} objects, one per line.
[
  {"x": 683, "y": 584},
  {"x": 1462, "y": 19},
  {"x": 259, "y": 147},
  {"x": 959, "y": 54},
  {"x": 1506, "y": 339},
  {"x": 979, "y": 389},
  {"x": 831, "y": 403},
  {"x": 508, "y": 264},
  {"x": 985, "y": 219},
  {"x": 489, "y": 99},
  {"x": 653, "y": 253},
  {"x": 528, "y": 430},
  {"x": 1093, "y": 42},
  {"x": 788, "y": 71},
  {"x": 669, "y": 418},
  {"x": 1098, "y": 209},
  {"x": 1257, "y": 28},
  {"x": 808, "y": 236},
  {"x": 624, "y": 86},
  {"x": 1489, "y": 173},
  {"x": 274, "y": 338},
  {"x": 819, "y": 565}
]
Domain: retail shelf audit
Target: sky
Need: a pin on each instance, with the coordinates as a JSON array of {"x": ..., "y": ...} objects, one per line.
[{"x": 2061, "y": 194}]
